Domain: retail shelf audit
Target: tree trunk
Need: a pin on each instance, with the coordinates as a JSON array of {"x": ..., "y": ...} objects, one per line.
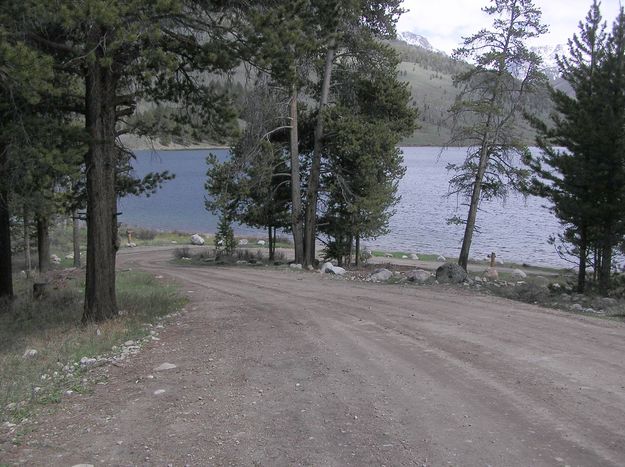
[
  {"x": 271, "y": 244},
  {"x": 43, "y": 243},
  {"x": 100, "y": 161},
  {"x": 6, "y": 268},
  {"x": 27, "y": 256},
  {"x": 357, "y": 259},
  {"x": 605, "y": 272},
  {"x": 473, "y": 207},
  {"x": 296, "y": 189},
  {"x": 583, "y": 260},
  {"x": 310, "y": 233},
  {"x": 76, "y": 238}
]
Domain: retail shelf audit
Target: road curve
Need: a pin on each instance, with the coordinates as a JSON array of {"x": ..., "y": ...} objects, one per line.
[{"x": 277, "y": 367}]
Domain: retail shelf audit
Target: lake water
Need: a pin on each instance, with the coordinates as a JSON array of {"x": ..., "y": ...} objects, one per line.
[{"x": 517, "y": 229}]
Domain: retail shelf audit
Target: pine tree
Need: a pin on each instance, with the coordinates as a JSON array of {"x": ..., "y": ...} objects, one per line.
[
  {"x": 125, "y": 51},
  {"x": 582, "y": 166},
  {"x": 491, "y": 98}
]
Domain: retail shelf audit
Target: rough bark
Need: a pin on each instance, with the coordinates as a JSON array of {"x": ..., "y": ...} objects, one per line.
[
  {"x": 463, "y": 260},
  {"x": 6, "y": 267},
  {"x": 76, "y": 238},
  {"x": 28, "y": 264},
  {"x": 100, "y": 299},
  {"x": 43, "y": 243},
  {"x": 583, "y": 260},
  {"x": 310, "y": 232},
  {"x": 296, "y": 190},
  {"x": 605, "y": 271},
  {"x": 357, "y": 259}
]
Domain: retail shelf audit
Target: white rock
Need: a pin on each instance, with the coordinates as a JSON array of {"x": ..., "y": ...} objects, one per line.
[
  {"x": 518, "y": 274},
  {"x": 326, "y": 267},
  {"x": 86, "y": 361},
  {"x": 165, "y": 366},
  {"x": 414, "y": 256},
  {"x": 70, "y": 256},
  {"x": 577, "y": 307},
  {"x": 30, "y": 353},
  {"x": 381, "y": 275},
  {"x": 295, "y": 266},
  {"x": 260, "y": 242},
  {"x": 418, "y": 275},
  {"x": 441, "y": 258},
  {"x": 129, "y": 343},
  {"x": 55, "y": 259},
  {"x": 339, "y": 271},
  {"x": 404, "y": 257},
  {"x": 243, "y": 241},
  {"x": 158, "y": 392},
  {"x": 196, "y": 239},
  {"x": 388, "y": 255}
]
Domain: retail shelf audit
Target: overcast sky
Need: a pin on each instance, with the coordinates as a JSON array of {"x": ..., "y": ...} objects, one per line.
[{"x": 445, "y": 22}]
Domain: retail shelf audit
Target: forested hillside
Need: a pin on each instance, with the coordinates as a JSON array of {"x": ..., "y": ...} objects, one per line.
[
  {"x": 428, "y": 72},
  {"x": 430, "y": 75}
]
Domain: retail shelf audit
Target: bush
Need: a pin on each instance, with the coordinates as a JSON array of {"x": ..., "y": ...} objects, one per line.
[{"x": 144, "y": 234}]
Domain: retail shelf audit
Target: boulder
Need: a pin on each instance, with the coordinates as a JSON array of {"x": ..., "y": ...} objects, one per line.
[
  {"x": 491, "y": 274},
  {"x": 418, "y": 275},
  {"x": 260, "y": 242},
  {"x": 518, "y": 274},
  {"x": 55, "y": 259},
  {"x": 388, "y": 255},
  {"x": 243, "y": 242},
  {"x": 441, "y": 258},
  {"x": 339, "y": 271},
  {"x": 326, "y": 267},
  {"x": 414, "y": 256},
  {"x": 196, "y": 239},
  {"x": 404, "y": 257},
  {"x": 451, "y": 273},
  {"x": 295, "y": 266},
  {"x": 381, "y": 275}
]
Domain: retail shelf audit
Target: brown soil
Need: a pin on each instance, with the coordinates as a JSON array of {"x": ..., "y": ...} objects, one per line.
[{"x": 281, "y": 367}]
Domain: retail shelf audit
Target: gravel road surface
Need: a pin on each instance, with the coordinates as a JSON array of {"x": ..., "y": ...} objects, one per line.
[{"x": 284, "y": 368}]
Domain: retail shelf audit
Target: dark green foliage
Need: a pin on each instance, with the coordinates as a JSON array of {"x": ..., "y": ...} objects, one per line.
[
  {"x": 362, "y": 163},
  {"x": 253, "y": 186},
  {"x": 582, "y": 167},
  {"x": 224, "y": 237}
]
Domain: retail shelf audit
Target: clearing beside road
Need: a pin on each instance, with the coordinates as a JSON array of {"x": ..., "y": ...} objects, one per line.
[{"x": 279, "y": 367}]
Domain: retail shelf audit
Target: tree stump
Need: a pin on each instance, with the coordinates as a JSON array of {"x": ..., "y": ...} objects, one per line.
[{"x": 40, "y": 290}]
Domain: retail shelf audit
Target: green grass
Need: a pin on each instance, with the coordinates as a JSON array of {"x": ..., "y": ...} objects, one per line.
[{"x": 52, "y": 327}]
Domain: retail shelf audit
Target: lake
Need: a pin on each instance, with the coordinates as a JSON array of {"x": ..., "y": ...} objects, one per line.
[{"x": 517, "y": 229}]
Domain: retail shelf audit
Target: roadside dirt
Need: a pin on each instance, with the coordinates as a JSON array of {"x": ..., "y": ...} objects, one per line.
[{"x": 280, "y": 367}]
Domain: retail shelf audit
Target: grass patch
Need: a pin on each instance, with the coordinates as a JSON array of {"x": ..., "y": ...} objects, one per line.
[{"x": 52, "y": 327}]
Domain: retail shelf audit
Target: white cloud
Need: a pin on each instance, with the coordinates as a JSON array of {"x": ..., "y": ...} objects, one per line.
[{"x": 445, "y": 22}]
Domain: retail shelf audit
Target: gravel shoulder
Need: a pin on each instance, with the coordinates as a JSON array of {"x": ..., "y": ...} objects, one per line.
[{"x": 280, "y": 367}]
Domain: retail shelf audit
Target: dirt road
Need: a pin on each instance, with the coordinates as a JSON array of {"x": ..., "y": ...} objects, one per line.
[{"x": 292, "y": 368}]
